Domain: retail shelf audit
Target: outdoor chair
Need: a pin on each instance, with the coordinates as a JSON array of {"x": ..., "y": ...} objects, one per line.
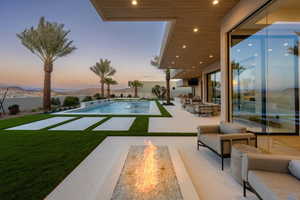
[
  {"x": 220, "y": 138},
  {"x": 269, "y": 177}
]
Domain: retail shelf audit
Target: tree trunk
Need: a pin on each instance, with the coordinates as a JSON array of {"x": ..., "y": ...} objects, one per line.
[
  {"x": 102, "y": 87},
  {"x": 48, "y": 68},
  {"x": 108, "y": 90},
  {"x": 136, "y": 92},
  {"x": 168, "y": 77}
]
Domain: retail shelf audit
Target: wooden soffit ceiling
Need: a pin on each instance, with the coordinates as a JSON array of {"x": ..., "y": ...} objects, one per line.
[{"x": 182, "y": 17}]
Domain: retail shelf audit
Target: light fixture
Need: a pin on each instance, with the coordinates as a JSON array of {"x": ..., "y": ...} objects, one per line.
[
  {"x": 238, "y": 50},
  {"x": 201, "y": 62},
  {"x": 184, "y": 46},
  {"x": 134, "y": 2},
  {"x": 270, "y": 49},
  {"x": 250, "y": 44},
  {"x": 211, "y": 56},
  {"x": 286, "y": 44},
  {"x": 177, "y": 56},
  {"x": 195, "y": 30},
  {"x": 215, "y": 2}
]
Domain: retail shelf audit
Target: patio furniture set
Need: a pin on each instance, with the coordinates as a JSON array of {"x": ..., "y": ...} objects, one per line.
[
  {"x": 195, "y": 105},
  {"x": 269, "y": 177}
]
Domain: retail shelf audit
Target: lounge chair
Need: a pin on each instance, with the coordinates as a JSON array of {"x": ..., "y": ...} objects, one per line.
[
  {"x": 220, "y": 138},
  {"x": 269, "y": 178}
]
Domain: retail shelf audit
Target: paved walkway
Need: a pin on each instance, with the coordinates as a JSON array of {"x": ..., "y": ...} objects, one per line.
[
  {"x": 79, "y": 124},
  {"x": 181, "y": 122},
  {"x": 116, "y": 124},
  {"x": 42, "y": 123}
]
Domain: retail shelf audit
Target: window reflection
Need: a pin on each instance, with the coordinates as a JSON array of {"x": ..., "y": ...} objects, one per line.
[
  {"x": 264, "y": 63},
  {"x": 214, "y": 87}
]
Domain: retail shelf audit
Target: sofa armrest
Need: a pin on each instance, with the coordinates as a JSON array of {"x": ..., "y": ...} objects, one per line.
[
  {"x": 208, "y": 129},
  {"x": 265, "y": 162},
  {"x": 233, "y": 136}
]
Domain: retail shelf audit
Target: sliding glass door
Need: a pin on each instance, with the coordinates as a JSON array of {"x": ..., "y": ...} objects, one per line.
[{"x": 265, "y": 70}]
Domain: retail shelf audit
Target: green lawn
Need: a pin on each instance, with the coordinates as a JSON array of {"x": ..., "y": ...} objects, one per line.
[{"x": 33, "y": 163}]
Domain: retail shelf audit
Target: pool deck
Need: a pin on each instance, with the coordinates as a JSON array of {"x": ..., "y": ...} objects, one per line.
[{"x": 180, "y": 122}]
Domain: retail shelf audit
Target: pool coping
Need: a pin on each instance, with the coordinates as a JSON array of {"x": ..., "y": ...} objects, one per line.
[{"x": 153, "y": 110}]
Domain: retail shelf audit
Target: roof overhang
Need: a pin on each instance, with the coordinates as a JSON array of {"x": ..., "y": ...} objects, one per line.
[{"x": 202, "y": 47}]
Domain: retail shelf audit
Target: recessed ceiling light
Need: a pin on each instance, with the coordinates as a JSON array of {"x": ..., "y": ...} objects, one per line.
[
  {"x": 215, "y": 2},
  {"x": 177, "y": 56},
  {"x": 286, "y": 44},
  {"x": 195, "y": 30},
  {"x": 238, "y": 50},
  {"x": 201, "y": 62},
  {"x": 211, "y": 56},
  {"x": 134, "y": 2},
  {"x": 250, "y": 44},
  {"x": 270, "y": 50},
  {"x": 184, "y": 46}
]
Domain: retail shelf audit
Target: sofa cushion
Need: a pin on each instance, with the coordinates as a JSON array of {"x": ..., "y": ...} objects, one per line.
[
  {"x": 294, "y": 168},
  {"x": 274, "y": 186},
  {"x": 231, "y": 128},
  {"x": 211, "y": 140}
]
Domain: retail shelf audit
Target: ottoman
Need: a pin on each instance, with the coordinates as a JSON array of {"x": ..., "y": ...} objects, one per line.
[{"x": 237, "y": 152}]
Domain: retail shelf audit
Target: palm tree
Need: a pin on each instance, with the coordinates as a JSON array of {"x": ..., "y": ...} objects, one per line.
[
  {"x": 155, "y": 63},
  {"x": 238, "y": 70},
  {"x": 135, "y": 84},
  {"x": 103, "y": 69},
  {"x": 109, "y": 81},
  {"x": 49, "y": 42}
]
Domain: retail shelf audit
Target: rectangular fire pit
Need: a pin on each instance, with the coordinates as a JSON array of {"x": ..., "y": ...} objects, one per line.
[{"x": 148, "y": 174}]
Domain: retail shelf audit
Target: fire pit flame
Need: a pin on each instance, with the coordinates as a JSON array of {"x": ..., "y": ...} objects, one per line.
[{"x": 147, "y": 174}]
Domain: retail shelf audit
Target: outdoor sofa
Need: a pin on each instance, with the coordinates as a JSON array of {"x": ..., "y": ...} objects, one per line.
[
  {"x": 220, "y": 138},
  {"x": 269, "y": 178}
]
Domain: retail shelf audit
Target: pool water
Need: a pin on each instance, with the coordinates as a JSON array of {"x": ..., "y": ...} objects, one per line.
[{"x": 117, "y": 107}]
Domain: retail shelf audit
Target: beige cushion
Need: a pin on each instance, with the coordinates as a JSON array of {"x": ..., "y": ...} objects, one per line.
[
  {"x": 227, "y": 128},
  {"x": 294, "y": 168},
  {"x": 208, "y": 129},
  {"x": 274, "y": 186},
  {"x": 210, "y": 140}
]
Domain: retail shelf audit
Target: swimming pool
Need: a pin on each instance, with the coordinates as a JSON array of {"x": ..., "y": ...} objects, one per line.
[{"x": 116, "y": 107}]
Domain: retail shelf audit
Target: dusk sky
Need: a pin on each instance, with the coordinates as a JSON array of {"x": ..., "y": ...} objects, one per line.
[{"x": 129, "y": 45}]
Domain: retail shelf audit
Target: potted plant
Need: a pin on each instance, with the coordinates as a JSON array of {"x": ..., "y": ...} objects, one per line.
[{"x": 14, "y": 109}]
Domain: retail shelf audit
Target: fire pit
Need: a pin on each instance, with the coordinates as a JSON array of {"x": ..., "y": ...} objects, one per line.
[{"x": 147, "y": 174}]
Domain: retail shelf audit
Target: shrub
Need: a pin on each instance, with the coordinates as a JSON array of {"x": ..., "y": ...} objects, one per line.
[
  {"x": 33, "y": 110},
  {"x": 129, "y": 96},
  {"x": 14, "y": 109},
  {"x": 55, "y": 101},
  {"x": 121, "y": 95},
  {"x": 71, "y": 101},
  {"x": 97, "y": 96},
  {"x": 87, "y": 98},
  {"x": 112, "y": 96}
]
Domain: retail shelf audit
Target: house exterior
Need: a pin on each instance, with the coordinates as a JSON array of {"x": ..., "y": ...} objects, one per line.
[{"x": 242, "y": 54}]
